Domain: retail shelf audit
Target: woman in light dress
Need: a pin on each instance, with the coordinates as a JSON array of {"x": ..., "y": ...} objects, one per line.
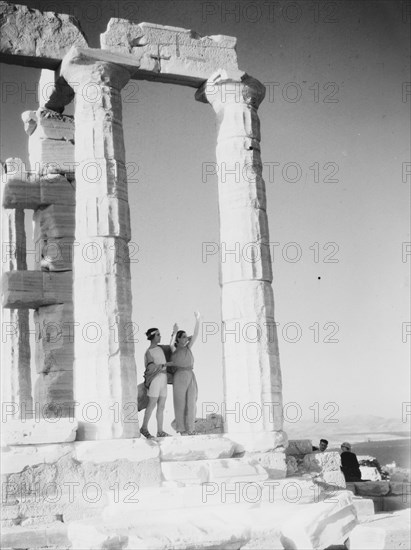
[
  {"x": 185, "y": 391},
  {"x": 155, "y": 380}
]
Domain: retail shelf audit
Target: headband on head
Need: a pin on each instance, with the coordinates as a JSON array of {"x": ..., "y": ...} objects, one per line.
[{"x": 150, "y": 333}]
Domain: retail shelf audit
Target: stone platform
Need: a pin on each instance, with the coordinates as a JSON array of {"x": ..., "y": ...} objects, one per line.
[
  {"x": 383, "y": 532},
  {"x": 210, "y": 491},
  {"x": 73, "y": 480},
  {"x": 301, "y": 524}
]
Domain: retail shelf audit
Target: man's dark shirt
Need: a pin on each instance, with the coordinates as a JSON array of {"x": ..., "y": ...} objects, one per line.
[{"x": 350, "y": 467}]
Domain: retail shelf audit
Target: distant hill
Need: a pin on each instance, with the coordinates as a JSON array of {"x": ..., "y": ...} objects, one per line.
[{"x": 361, "y": 427}]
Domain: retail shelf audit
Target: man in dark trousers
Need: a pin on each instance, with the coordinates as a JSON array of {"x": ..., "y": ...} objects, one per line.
[{"x": 349, "y": 463}]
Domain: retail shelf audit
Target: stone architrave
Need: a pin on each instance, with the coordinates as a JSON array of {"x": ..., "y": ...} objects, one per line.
[
  {"x": 16, "y": 375},
  {"x": 105, "y": 379},
  {"x": 170, "y": 50},
  {"x": 34, "y": 38},
  {"x": 252, "y": 375}
]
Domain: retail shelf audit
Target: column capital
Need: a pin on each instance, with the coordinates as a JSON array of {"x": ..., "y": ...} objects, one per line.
[
  {"x": 223, "y": 89},
  {"x": 79, "y": 68}
]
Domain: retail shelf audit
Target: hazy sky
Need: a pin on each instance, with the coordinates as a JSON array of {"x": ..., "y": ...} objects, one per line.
[{"x": 336, "y": 147}]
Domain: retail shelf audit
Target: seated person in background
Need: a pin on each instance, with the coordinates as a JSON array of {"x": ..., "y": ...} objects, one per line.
[
  {"x": 322, "y": 446},
  {"x": 349, "y": 463}
]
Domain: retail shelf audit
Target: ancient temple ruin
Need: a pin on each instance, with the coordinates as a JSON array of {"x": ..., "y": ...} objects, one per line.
[
  {"x": 83, "y": 162},
  {"x": 76, "y": 184}
]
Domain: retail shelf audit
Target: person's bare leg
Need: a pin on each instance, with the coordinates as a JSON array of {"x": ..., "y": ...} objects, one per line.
[
  {"x": 152, "y": 402},
  {"x": 160, "y": 413}
]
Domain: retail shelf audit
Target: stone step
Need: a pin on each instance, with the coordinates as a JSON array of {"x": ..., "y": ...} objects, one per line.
[
  {"x": 224, "y": 445},
  {"x": 383, "y": 532},
  {"x": 37, "y": 431},
  {"x": 298, "y": 525},
  {"x": 53, "y": 535},
  {"x": 220, "y": 470},
  {"x": 198, "y": 447},
  {"x": 128, "y": 504}
]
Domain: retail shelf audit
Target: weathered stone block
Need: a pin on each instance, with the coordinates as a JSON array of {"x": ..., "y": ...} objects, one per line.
[
  {"x": 51, "y": 156},
  {"x": 55, "y": 254},
  {"x": 335, "y": 518},
  {"x": 219, "y": 470},
  {"x": 334, "y": 478},
  {"x": 104, "y": 217},
  {"x": 237, "y": 469},
  {"x": 134, "y": 450},
  {"x": 35, "y": 38},
  {"x": 272, "y": 462},
  {"x": 122, "y": 508},
  {"x": 251, "y": 494},
  {"x": 299, "y": 447},
  {"x": 258, "y": 441},
  {"x": 372, "y": 488},
  {"x": 38, "y": 191},
  {"x": 21, "y": 194},
  {"x": 75, "y": 479},
  {"x": 292, "y": 465},
  {"x": 363, "y": 506},
  {"x": 370, "y": 473},
  {"x": 54, "y": 221},
  {"x": 54, "y": 392},
  {"x": 40, "y": 536},
  {"x": 34, "y": 289},
  {"x": 212, "y": 424},
  {"x": 16, "y": 459},
  {"x": 101, "y": 256},
  {"x": 54, "y": 325},
  {"x": 16, "y": 391},
  {"x": 199, "y": 528},
  {"x": 322, "y": 462},
  {"x": 171, "y": 50},
  {"x": 35, "y": 432},
  {"x": 104, "y": 177},
  {"x": 195, "y": 448},
  {"x": 50, "y": 359},
  {"x": 14, "y": 169},
  {"x": 382, "y": 532},
  {"x": 47, "y": 124},
  {"x": 187, "y": 473}
]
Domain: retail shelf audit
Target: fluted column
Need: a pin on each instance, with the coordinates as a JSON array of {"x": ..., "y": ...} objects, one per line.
[
  {"x": 105, "y": 380},
  {"x": 252, "y": 375}
]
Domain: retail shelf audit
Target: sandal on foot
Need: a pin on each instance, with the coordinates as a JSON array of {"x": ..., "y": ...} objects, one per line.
[
  {"x": 146, "y": 433},
  {"x": 163, "y": 434}
]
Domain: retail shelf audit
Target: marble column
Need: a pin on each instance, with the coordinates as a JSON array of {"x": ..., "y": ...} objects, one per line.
[
  {"x": 252, "y": 375},
  {"x": 105, "y": 379},
  {"x": 16, "y": 354}
]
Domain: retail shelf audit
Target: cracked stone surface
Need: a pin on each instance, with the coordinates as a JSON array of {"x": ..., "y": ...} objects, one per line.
[
  {"x": 165, "y": 49},
  {"x": 35, "y": 38}
]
